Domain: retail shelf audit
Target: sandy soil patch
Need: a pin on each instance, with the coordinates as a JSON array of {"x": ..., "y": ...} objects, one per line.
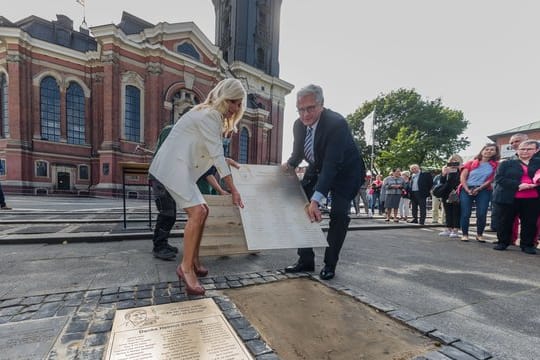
[{"x": 304, "y": 319}]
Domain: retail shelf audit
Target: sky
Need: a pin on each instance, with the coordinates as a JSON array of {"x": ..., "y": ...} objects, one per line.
[{"x": 481, "y": 57}]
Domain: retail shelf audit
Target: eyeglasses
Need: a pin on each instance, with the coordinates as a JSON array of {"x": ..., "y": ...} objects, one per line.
[
  {"x": 308, "y": 109},
  {"x": 527, "y": 149}
]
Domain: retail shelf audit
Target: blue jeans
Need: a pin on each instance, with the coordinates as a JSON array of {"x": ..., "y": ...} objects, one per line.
[{"x": 481, "y": 200}]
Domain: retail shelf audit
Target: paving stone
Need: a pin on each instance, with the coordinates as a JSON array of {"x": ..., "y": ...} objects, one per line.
[
  {"x": 32, "y": 300},
  {"x": 144, "y": 294},
  {"x": 232, "y": 314},
  {"x": 247, "y": 282},
  {"x": 74, "y": 295},
  {"x": 162, "y": 285},
  {"x": 232, "y": 277},
  {"x": 402, "y": 315},
  {"x": 258, "y": 280},
  {"x": 258, "y": 347},
  {"x": 91, "y": 354},
  {"x": 422, "y": 325},
  {"x": 105, "y": 299},
  {"x": 126, "y": 304},
  {"x": 235, "y": 284},
  {"x": 109, "y": 291},
  {"x": 269, "y": 278},
  {"x": 10, "y": 302},
  {"x": 161, "y": 292},
  {"x": 93, "y": 294},
  {"x": 270, "y": 356},
  {"x": 239, "y": 323},
  {"x": 4, "y": 319},
  {"x": 22, "y": 316},
  {"x": 445, "y": 339},
  {"x": 126, "y": 296},
  {"x": 54, "y": 298},
  {"x": 96, "y": 339},
  {"x": 473, "y": 350},
  {"x": 31, "y": 308},
  {"x": 248, "y": 333},
  {"x": 73, "y": 302},
  {"x": 77, "y": 325},
  {"x": 455, "y": 354},
  {"x": 67, "y": 338},
  {"x": 162, "y": 300},
  {"x": 11, "y": 310},
  {"x": 144, "y": 302},
  {"x": 145, "y": 287},
  {"x": 220, "y": 279},
  {"x": 127, "y": 289},
  {"x": 210, "y": 286},
  {"x": 49, "y": 309},
  {"x": 226, "y": 305},
  {"x": 254, "y": 275},
  {"x": 205, "y": 281},
  {"x": 222, "y": 285},
  {"x": 66, "y": 310},
  {"x": 99, "y": 326}
]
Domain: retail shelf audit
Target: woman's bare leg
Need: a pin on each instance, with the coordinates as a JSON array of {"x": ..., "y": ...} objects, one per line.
[
  {"x": 192, "y": 232},
  {"x": 196, "y": 260}
]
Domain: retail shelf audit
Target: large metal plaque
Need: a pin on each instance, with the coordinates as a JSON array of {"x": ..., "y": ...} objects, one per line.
[
  {"x": 31, "y": 339},
  {"x": 194, "y": 330},
  {"x": 274, "y": 214}
]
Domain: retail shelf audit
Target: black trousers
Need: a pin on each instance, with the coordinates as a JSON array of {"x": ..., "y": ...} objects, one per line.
[
  {"x": 337, "y": 230},
  {"x": 166, "y": 217},
  {"x": 452, "y": 213},
  {"x": 418, "y": 201},
  {"x": 528, "y": 211}
]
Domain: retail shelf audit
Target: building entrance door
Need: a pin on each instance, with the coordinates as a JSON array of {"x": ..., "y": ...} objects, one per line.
[{"x": 63, "y": 181}]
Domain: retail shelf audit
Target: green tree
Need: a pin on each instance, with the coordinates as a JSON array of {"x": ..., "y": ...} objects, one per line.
[{"x": 402, "y": 119}]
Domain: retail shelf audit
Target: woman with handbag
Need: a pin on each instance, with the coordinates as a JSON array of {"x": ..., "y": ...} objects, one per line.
[
  {"x": 450, "y": 181},
  {"x": 516, "y": 193},
  {"x": 475, "y": 188},
  {"x": 393, "y": 186}
]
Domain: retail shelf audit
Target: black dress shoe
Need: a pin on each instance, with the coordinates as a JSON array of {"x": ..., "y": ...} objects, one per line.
[
  {"x": 500, "y": 246},
  {"x": 327, "y": 273},
  {"x": 174, "y": 249},
  {"x": 300, "y": 267},
  {"x": 529, "y": 250},
  {"x": 413, "y": 222},
  {"x": 164, "y": 253}
]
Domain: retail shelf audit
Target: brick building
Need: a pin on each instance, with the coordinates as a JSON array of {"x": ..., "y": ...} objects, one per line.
[
  {"x": 502, "y": 139},
  {"x": 74, "y": 105}
]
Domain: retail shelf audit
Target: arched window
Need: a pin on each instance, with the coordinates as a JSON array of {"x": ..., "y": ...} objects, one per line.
[
  {"x": 189, "y": 50},
  {"x": 4, "y": 121},
  {"x": 244, "y": 146},
  {"x": 132, "y": 116},
  {"x": 75, "y": 113},
  {"x": 49, "y": 97}
]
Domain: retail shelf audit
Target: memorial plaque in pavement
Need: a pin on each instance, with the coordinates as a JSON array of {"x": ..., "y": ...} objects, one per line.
[
  {"x": 31, "y": 339},
  {"x": 185, "y": 330},
  {"x": 274, "y": 214}
]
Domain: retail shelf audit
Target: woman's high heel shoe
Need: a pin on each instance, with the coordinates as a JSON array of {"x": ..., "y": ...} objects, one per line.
[
  {"x": 197, "y": 290},
  {"x": 201, "y": 271}
]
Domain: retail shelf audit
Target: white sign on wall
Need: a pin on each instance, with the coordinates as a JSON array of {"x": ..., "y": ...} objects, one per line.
[{"x": 507, "y": 151}]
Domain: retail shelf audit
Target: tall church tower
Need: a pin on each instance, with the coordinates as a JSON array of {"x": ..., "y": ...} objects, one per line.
[{"x": 248, "y": 31}]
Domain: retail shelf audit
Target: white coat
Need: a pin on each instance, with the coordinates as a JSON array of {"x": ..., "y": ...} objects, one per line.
[{"x": 192, "y": 147}]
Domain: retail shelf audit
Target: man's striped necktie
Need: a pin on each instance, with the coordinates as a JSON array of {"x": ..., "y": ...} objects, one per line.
[{"x": 308, "y": 145}]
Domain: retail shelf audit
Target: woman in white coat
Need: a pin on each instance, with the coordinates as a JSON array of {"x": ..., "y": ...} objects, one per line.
[{"x": 192, "y": 147}]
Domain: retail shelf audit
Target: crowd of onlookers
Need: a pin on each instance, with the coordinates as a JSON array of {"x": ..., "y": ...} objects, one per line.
[{"x": 510, "y": 187}]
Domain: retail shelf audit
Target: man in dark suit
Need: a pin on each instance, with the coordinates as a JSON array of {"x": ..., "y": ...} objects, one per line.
[
  {"x": 322, "y": 137},
  {"x": 421, "y": 184}
]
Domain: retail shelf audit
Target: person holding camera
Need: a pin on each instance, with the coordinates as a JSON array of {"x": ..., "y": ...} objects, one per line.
[
  {"x": 450, "y": 178},
  {"x": 393, "y": 186},
  {"x": 376, "y": 194}
]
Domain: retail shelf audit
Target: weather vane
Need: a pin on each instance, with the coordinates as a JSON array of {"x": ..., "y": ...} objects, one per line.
[{"x": 83, "y": 4}]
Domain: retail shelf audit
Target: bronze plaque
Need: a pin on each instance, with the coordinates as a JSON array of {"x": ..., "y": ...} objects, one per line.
[
  {"x": 190, "y": 330},
  {"x": 274, "y": 214}
]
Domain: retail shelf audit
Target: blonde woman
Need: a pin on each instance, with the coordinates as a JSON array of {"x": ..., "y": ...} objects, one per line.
[{"x": 192, "y": 147}]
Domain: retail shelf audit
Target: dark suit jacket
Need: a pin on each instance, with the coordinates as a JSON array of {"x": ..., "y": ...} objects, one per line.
[
  {"x": 508, "y": 178},
  {"x": 425, "y": 183},
  {"x": 338, "y": 165}
]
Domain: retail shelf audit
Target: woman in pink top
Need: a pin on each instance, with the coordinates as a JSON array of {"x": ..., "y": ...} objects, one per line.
[{"x": 516, "y": 192}]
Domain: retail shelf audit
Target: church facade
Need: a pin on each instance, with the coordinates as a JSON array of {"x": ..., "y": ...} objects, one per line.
[{"x": 76, "y": 105}]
